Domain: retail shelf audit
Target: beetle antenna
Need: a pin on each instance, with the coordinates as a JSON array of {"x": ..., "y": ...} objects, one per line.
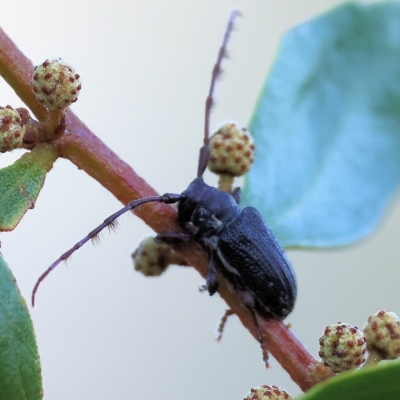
[
  {"x": 167, "y": 198},
  {"x": 216, "y": 72}
]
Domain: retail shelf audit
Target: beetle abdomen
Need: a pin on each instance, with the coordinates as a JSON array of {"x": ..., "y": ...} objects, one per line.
[{"x": 248, "y": 249}]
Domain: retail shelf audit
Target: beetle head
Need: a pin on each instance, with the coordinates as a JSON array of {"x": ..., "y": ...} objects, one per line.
[{"x": 206, "y": 207}]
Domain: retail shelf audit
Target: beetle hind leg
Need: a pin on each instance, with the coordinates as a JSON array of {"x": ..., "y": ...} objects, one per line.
[{"x": 250, "y": 303}]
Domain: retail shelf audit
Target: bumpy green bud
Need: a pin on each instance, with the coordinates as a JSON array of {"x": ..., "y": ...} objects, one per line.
[
  {"x": 12, "y": 129},
  {"x": 266, "y": 392},
  {"x": 152, "y": 258},
  {"x": 342, "y": 347},
  {"x": 56, "y": 84},
  {"x": 232, "y": 150},
  {"x": 383, "y": 334}
]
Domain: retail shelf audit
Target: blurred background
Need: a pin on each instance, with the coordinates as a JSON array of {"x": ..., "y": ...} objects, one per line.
[{"x": 103, "y": 330}]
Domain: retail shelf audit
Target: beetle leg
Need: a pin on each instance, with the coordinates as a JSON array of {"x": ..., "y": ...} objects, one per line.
[
  {"x": 172, "y": 237},
  {"x": 190, "y": 229},
  {"x": 264, "y": 349},
  {"x": 212, "y": 282},
  {"x": 221, "y": 325},
  {"x": 249, "y": 301},
  {"x": 203, "y": 288},
  {"x": 204, "y": 156},
  {"x": 236, "y": 192}
]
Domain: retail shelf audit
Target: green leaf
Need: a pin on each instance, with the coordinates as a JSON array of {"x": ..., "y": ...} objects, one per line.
[
  {"x": 370, "y": 383},
  {"x": 20, "y": 184},
  {"x": 327, "y": 128},
  {"x": 20, "y": 373}
]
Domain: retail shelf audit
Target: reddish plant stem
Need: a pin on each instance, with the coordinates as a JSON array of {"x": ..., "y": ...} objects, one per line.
[
  {"x": 88, "y": 152},
  {"x": 17, "y": 71}
]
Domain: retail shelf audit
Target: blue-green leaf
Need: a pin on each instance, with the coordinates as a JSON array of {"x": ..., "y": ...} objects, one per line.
[
  {"x": 372, "y": 383},
  {"x": 327, "y": 128}
]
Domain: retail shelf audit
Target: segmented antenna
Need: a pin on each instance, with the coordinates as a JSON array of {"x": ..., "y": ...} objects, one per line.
[
  {"x": 216, "y": 72},
  {"x": 109, "y": 222}
]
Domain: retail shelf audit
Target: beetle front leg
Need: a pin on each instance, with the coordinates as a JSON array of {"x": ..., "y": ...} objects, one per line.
[{"x": 172, "y": 237}]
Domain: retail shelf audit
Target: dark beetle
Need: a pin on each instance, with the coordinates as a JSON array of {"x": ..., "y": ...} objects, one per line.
[
  {"x": 241, "y": 246},
  {"x": 239, "y": 243}
]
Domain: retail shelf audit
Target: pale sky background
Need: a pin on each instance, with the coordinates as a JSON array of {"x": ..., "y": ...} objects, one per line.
[{"x": 104, "y": 331}]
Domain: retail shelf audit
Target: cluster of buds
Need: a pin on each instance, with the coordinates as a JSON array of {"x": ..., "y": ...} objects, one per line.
[
  {"x": 152, "y": 258},
  {"x": 344, "y": 347},
  {"x": 56, "y": 86},
  {"x": 267, "y": 392}
]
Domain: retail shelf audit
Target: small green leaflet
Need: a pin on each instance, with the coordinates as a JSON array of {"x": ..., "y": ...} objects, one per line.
[
  {"x": 20, "y": 372},
  {"x": 369, "y": 383},
  {"x": 21, "y": 182},
  {"x": 327, "y": 128}
]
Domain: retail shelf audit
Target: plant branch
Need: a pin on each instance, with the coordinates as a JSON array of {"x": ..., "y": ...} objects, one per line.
[
  {"x": 17, "y": 71},
  {"x": 88, "y": 152}
]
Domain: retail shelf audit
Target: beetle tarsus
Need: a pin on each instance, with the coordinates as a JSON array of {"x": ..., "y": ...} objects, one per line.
[
  {"x": 222, "y": 322},
  {"x": 250, "y": 303},
  {"x": 264, "y": 350}
]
